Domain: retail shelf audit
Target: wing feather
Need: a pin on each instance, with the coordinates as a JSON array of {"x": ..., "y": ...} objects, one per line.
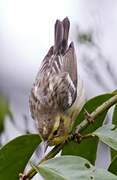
[{"x": 70, "y": 63}]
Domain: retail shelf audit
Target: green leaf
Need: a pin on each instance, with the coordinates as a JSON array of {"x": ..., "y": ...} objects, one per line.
[
  {"x": 114, "y": 121},
  {"x": 15, "y": 155},
  {"x": 115, "y": 92},
  {"x": 114, "y": 118},
  {"x": 71, "y": 167},
  {"x": 108, "y": 135},
  {"x": 4, "y": 110},
  {"x": 87, "y": 148},
  {"x": 113, "y": 166},
  {"x": 84, "y": 38}
]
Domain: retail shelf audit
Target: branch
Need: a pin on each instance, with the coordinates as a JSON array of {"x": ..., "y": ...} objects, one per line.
[
  {"x": 105, "y": 106},
  {"x": 50, "y": 155}
]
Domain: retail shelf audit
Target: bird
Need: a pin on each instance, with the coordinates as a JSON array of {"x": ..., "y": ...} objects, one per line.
[{"x": 57, "y": 94}]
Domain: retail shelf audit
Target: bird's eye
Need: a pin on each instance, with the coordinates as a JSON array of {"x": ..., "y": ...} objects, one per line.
[{"x": 55, "y": 133}]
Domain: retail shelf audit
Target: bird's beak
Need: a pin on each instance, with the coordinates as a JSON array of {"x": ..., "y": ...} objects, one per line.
[{"x": 45, "y": 145}]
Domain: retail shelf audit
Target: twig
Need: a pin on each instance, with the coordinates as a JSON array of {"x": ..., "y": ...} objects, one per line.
[
  {"x": 50, "y": 155},
  {"x": 106, "y": 105}
]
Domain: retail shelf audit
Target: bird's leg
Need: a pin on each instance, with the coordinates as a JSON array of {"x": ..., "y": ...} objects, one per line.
[
  {"x": 88, "y": 116},
  {"x": 78, "y": 137}
]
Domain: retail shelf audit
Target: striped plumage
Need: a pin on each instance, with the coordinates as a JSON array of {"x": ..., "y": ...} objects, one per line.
[{"x": 55, "y": 89}]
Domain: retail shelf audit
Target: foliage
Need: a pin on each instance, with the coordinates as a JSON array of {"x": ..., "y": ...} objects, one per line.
[
  {"x": 71, "y": 167},
  {"x": 78, "y": 153},
  {"x": 4, "y": 111},
  {"x": 15, "y": 155}
]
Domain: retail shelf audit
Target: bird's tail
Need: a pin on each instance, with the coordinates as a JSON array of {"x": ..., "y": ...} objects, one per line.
[{"x": 61, "y": 35}]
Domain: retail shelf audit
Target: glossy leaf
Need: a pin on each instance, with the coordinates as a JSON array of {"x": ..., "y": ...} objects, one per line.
[
  {"x": 113, "y": 166},
  {"x": 4, "y": 110},
  {"x": 114, "y": 118},
  {"x": 72, "y": 167},
  {"x": 114, "y": 121},
  {"x": 108, "y": 135},
  {"x": 87, "y": 148},
  {"x": 15, "y": 155}
]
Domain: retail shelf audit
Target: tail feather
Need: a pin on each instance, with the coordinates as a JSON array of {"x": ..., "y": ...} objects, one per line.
[
  {"x": 61, "y": 35},
  {"x": 66, "y": 26},
  {"x": 58, "y": 36}
]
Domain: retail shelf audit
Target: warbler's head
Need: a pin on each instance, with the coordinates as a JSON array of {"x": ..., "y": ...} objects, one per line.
[{"x": 54, "y": 129}]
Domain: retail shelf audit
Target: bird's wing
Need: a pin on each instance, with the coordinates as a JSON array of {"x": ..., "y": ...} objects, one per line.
[
  {"x": 66, "y": 91},
  {"x": 69, "y": 64},
  {"x": 46, "y": 61},
  {"x": 66, "y": 63},
  {"x": 62, "y": 79},
  {"x": 66, "y": 68}
]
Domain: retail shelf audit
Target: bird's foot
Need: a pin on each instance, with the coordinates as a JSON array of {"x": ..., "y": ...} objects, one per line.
[{"x": 78, "y": 137}]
